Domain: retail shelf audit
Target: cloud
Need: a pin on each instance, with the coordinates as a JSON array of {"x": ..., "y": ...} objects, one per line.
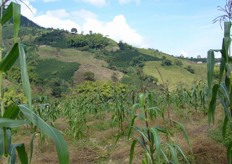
[
  {"x": 98, "y": 3},
  {"x": 128, "y": 1},
  {"x": 84, "y": 20},
  {"x": 56, "y": 19},
  {"x": 117, "y": 29},
  {"x": 46, "y": 1},
  {"x": 27, "y": 9}
]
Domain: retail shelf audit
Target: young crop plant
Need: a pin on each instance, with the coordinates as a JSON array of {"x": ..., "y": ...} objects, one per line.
[
  {"x": 222, "y": 89},
  {"x": 156, "y": 141},
  {"x": 9, "y": 117}
]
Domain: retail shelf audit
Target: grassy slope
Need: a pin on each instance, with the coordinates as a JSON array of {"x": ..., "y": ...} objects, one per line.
[
  {"x": 172, "y": 75},
  {"x": 86, "y": 59}
]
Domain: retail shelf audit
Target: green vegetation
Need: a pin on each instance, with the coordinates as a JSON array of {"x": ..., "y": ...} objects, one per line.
[
  {"x": 222, "y": 88},
  {"x": 51, "y": 68},
  {"x": 17, "y": 114},
  {"x": 113, "y": 103}
]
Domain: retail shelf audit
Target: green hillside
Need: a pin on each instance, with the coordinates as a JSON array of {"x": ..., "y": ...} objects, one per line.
[
  {"x": 105, "y": 58},
  {"x": 173, "y": 75}
]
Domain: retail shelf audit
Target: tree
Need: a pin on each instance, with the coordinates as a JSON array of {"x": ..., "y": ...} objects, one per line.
[{"x": 74, "y": 30}]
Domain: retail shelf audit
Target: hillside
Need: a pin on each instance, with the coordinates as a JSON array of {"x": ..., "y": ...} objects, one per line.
[{"x": 102, "y": 58}]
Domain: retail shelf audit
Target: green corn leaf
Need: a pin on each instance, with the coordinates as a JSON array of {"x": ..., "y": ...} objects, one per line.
[
  {"x": 229, "y": 152},
  {"x": 222, "y": 68},
  {"x": 11, "y": 112},
  {"x": 182, "y": 153},
  {"x": 142, "y": 134},
  {"x": 174, "y": 153},
  {"x": 21, "y": 153},
  {"x": 161, "y": 129},
  {"x": 1, "y": 142},
  {"x": 10, "y": 58},
  {"x": 5, "y": 122},
  {"x": 8, "y": 138},
  {"x": 227, "y": 78},
  {"x": 24, "y": 75},
  {"x": 13, "y": 11},
  {"x": 131, "y": 126},
  {"x": 181, "y": 126},
  {"x": 212, "y": 105},
  {"x": 51, "y": 132},
  {"x": 210, "y": 68},
  {"x": 148, "y": 155},
  {"x": 32, "y": 146},
  {"x": 142, "y": 100},
  {"x": 164, "y": 155},
  {"x": 226, "y": 40},
  {"x": 132, "y": 151},
  {"x": 157, "y": 142},
  {"x": 225, "y": 122}
]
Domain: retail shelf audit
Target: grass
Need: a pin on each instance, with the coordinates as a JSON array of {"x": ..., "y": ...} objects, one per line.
[
  {"x": 172, "y": 75},
  {"x": 51, "y": 68}
]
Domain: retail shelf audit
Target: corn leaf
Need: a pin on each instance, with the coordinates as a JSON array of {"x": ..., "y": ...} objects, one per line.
[
  {"x": 10, "y": 58},
  {"x": 21, "y": 153},
  {"x": 157, "y": 142},
  {"x": 142, "y": 134},
  {"x": 131, "y": 126},
  {"x": 182, "y": 153},
  {"x": 61, "y": 147},
  {"x": 1, "y": 143},
  {"x": 225, "y": 122},
  {"x": 32, "y": 146},
  {"x": 11, "y": 112},
  {"x": 212, "y": 105},
  {"x": 13, "y": 11},
  {"x": 132, "y": 151},
  {"x": 210, "y": 68},
  {"x": 184, "y": 132},
  {"x": 229, "y": 152},
  {"x": 174, "y": 153},
  {"x": 24, "y": 75},
  {"x": 9, "y": 123}
]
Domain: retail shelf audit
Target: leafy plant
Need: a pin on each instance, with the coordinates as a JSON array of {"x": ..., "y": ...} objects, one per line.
[
  {"x": 9, "y": 115},
  {"x": 155, "y": 150},
  {"x": 222, "y": 89}
]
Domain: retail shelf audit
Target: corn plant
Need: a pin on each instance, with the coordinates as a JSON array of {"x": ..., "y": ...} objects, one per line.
[
  {"x": 75, "y": 112},
  {"x": 223, "y": 88},
  {"x": 9, "y": 115},
  {"x": 120, "y": 106},
  {"x": 155, "y": 150}
]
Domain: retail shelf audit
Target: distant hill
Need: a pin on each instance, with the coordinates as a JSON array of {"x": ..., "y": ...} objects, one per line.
[
  {"x": 76, "y": 55},
  {"x": 28, "y": 23}
]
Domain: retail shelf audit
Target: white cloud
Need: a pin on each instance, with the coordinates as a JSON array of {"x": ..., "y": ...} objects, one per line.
[
  {"x": 27, "y": 9},
  {"x": 128, "y": 1},
  {"x": 56, "y": 19},
  {"x": 117, "y": 29},
  {"x": 46, "y": 1},
  {"x": 98, "y": 3},
  {"x": 84, "y": 20}
]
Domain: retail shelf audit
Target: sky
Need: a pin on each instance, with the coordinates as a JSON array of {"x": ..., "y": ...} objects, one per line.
[{"x": 172, "y": 26}]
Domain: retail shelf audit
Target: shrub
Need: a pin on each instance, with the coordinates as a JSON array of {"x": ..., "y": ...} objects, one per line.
[
  {"x": 89, "y": 76},
  {"x": 190, "y": 69}
]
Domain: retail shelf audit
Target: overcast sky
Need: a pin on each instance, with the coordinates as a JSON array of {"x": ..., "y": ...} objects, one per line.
[{"x": 172, "y": 26}]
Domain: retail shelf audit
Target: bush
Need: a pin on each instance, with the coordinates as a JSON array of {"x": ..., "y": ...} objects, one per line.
[
  {"x": 166, "y": 62},
  {"x": 178, "y": 63},
  {"x": 89, "y": 76},
  {"x": 190, "y": 69}
]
